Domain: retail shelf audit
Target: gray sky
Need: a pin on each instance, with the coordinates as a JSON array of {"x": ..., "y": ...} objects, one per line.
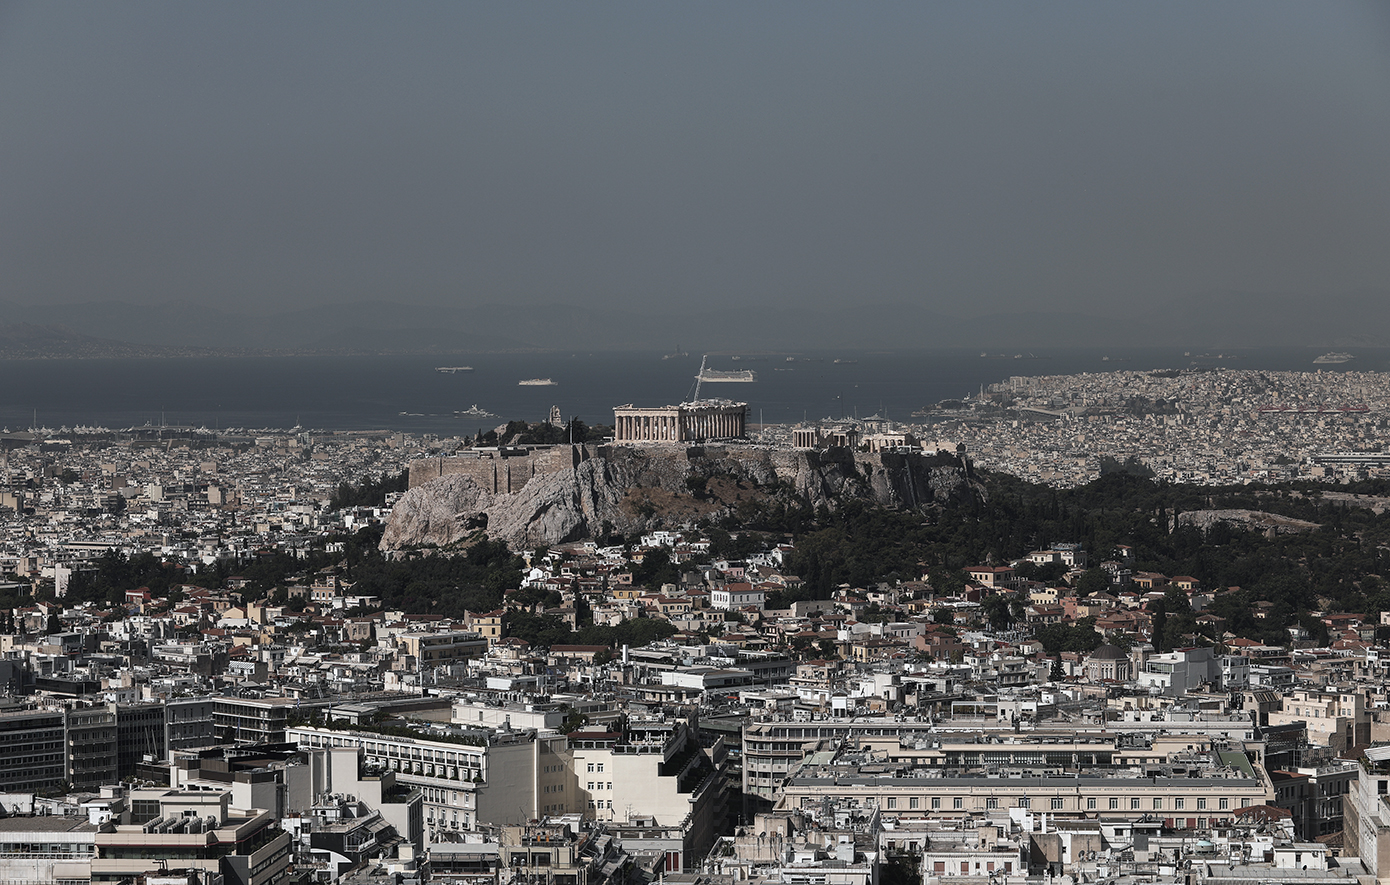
[{"x": 969, "y": 157}]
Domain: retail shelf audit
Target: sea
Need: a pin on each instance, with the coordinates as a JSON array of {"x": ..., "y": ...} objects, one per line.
[{"x": 407, "y": 393}]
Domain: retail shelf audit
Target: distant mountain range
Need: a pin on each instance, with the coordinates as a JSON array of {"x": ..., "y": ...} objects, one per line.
[{"x": 115, "y": 329}]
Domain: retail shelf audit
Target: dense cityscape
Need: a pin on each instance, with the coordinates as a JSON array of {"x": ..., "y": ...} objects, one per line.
[{"x": 220, "y": 667}]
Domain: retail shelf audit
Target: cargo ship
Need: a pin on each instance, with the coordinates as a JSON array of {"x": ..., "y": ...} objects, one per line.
[
  {"x": 740, "y": 375},
  {"x": 536, "y": 382},
  {"x": 1333, "y": 357},
  {"x": 452, "y": 370}
]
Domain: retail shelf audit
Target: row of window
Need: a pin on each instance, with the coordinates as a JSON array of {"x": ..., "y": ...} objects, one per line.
[
  {"x": 1058, "y": 803},
  {"x": 598, "y": 785},
  {"x": 939, "y": 866},
  {"x": 599, "y": 769},
  {"x": 438, "y": 796},
  {"x": 375, "y": 750}
]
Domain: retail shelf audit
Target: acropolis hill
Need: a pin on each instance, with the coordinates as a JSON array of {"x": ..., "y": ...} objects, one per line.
[{"x": 561, "y": 493}]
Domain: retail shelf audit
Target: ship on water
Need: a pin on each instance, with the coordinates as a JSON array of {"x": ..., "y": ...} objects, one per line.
[
  {"x": 452, "y": 370},
  {"x": 473, "y": 412},
  {"x": 720, "y": 375},
  {"x": 536, "y": 382},
  {"x": 1333, "y": 358}
]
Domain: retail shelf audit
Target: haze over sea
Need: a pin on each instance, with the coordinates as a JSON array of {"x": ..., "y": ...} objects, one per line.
[{"x": 372, "y": 392}]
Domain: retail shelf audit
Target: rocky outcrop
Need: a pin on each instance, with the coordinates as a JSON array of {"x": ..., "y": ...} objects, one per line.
[
  {"x": 637, "y": 489},
  {"x": 1257, "y": 520}
]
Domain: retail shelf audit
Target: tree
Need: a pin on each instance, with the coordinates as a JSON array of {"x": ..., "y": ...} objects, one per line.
[
  {"x": 1158, "y": 627},
  {"x": 1131, "y": 466},
  {"x": 54, "y": 625},
  {"x": 997, "y": 611},
  {"x": 573, "y": 722},
  {"x": 1057, "y": 674},
  {"x": 1093, "y": 580},
  {"x": 656, "y": 569}
]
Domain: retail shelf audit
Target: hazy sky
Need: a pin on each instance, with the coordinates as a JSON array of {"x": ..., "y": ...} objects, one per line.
[{"x": 966, "y": 156}]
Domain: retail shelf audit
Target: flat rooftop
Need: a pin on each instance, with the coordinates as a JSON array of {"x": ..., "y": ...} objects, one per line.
[{"x": 46, "y": 824}]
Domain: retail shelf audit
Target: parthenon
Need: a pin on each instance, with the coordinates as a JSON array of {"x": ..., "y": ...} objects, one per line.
[{"x": 687, "y": 422}]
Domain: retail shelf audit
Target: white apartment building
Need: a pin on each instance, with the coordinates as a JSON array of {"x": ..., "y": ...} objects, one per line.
[
  {"x": 732, "y": 597},
  {"x": 658, "y": 771},
  {"x": 497, "y": 778}
]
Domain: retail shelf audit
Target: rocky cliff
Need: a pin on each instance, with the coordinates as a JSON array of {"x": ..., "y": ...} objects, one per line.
[{"x": 636, "y": 489}]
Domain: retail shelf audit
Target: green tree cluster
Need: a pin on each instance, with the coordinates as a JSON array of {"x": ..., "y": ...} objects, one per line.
[{"x": 371, "y": 492}]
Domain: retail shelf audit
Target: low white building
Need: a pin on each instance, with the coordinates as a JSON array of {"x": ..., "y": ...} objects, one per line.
[{"x": 732, "y": 597}]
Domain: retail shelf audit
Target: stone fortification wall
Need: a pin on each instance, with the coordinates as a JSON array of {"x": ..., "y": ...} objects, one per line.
[
  {"x": 500, "y": 471},
  {"x": 564, "y": 493}
]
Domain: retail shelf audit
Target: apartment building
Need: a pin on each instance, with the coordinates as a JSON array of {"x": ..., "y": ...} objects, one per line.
[
  {"x": 252, "y": 720},
  {"x": 656, "y": 771},
  {"x": 441, "y": 649},
  {"x": 92, "y": 748},
  {"x": 33, "y": 755},
  {"x": 466, "y": 777},
  {"x": 1181, "y": 802},
  {"x": 1338, "y": 720}
]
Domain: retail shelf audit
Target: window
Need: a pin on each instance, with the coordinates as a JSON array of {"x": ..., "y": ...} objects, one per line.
[
  {"x": 935, "y": 802},
  {"x": 914, "y": 803},
  {"x": 892, "y": 803},
  {"x": 1224, "y": 804},
  {"x": 1091, "y": 804},
  {"x": 1024, "y": 802},
  {"x": 991, "y": 803},
  {"x": 1114, "y": 803},
  {"x": 1134, "y": 803},
  {"x": 958, "y": 802},
  {"x": 1201, "y": 804},
  {"x": 1179, "y": 804},
  {"x": 591, "y": 786},
  {"x": 1056, "y": 803},
  {"x": 591, "y": 768},
  {"x": 600, "y": 768},
  {"x": 1158, "y": 804}
]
